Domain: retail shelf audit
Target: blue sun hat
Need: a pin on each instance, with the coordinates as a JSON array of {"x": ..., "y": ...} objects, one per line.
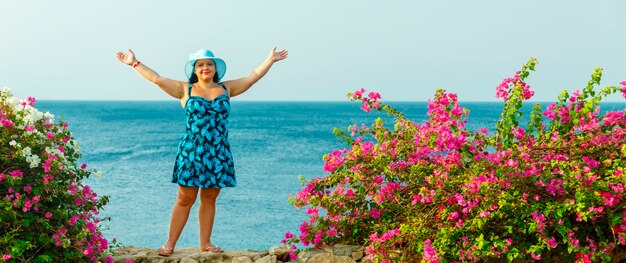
[{"x": 220, "y": 66}]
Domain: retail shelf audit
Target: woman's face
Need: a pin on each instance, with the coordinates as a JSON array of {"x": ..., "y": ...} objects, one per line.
[{"x": 205, "y": 69}]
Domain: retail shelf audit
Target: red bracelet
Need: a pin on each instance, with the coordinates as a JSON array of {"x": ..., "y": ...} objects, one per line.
[{"x": 136, "y": 64}]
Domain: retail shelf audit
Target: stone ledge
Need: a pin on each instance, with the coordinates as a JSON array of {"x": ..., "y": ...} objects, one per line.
[{"x": 278, "y": 254}]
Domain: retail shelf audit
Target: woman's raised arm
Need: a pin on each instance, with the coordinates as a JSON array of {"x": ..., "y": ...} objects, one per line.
[
  {"x": 239, "y": 86},
  {"x": 173, "y": 88}
]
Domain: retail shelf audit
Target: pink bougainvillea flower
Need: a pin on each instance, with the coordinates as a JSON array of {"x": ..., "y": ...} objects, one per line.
[
  {"x": 73, "y": 220},
  {"x": 430, "y": 254},
  {"x": 535, "y": 256},
  {"x": 365, "y": 106},
  {"x": 333, "y": 160},
  {"x": 375, "y": 213},
  {"x": 358, "y": 93},
  {"x": 16, "y": 174},
  {"x": 7, "y": 123},
  {"x": 292, "y": 253},
  {"x": 374, "y": 95}
]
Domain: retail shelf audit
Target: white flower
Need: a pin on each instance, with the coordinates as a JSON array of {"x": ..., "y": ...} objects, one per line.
[
  {"x": 32, "y": 116},
  {"x": 15, "y": 104},
  {"x": 12, "y": 143},
  {"x": 26, "y": 152},
  {"x": 97, "y": 174},
  {"x": 34, "y": 161},
  {"x": 56, "y": 152},
  {"x": 6, "y": 92},
  {"x": 49, "y": 117}
]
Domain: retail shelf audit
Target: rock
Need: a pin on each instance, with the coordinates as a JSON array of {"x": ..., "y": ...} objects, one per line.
[
  {"x": 267, "y": 259},
  {"x": 242, "y": 259},
  {"x": 281, "y": 252},
  {"x": 337, "y": 254},
  {"x": 188, "y": 260},
  {"x": 304, "y": 255},
  {"x": 252, "y": 254},
  {"x": 345, "y": 250},
  {"x": 210, "y": 257},
  {"x": 321, "y": 258},
  {"x": 329, "y": 258},
  {"x": 344, "y": 259},
  {"x": 357, "y": 255}
]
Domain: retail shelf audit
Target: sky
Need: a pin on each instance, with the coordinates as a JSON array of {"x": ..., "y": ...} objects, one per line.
[{"x": 406, "y": 50}]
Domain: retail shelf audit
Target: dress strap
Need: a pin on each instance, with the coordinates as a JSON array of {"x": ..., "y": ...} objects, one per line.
[
  {"x": 225, "y": 89},
  {"x": 189, "y": 90}
]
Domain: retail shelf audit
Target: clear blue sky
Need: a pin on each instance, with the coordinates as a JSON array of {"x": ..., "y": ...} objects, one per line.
[{"x": 403, "y": 49}]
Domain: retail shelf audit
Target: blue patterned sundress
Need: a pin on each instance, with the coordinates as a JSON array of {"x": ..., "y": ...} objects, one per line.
[{"x": 204, "y": 159}]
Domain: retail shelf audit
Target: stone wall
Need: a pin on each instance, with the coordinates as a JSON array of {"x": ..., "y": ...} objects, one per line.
[{"x": 335, "y": 254}]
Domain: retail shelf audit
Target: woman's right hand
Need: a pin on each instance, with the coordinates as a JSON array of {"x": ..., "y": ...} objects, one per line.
[{"x": 127, "y": 59}]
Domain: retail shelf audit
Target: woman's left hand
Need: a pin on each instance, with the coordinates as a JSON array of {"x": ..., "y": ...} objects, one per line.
[{"x": 278, "y": 55}]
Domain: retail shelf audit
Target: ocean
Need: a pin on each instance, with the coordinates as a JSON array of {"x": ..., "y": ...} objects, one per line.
[{"x": 133, "y": 144}]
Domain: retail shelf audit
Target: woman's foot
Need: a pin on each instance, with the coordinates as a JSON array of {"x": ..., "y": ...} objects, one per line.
[
  {"x": 166, "y": 250},
  {"x": 212, "y": 248}
]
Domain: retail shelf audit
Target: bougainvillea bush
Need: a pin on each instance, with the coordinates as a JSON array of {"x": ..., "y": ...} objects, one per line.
[
  {"x": 46, "y": 213},
  {"x": 552, "y": 189}
]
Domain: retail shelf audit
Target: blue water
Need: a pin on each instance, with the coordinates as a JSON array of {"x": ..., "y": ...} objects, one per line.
[{"x": 134, "y": 144}]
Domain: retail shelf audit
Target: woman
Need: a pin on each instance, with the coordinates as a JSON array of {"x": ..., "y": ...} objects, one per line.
[{"x": 204, "y": 162}]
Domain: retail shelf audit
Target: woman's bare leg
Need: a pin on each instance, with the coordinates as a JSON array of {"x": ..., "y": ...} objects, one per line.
[
  {"x": 206, "y": 215},
  {"x": 180, "y": 213}
]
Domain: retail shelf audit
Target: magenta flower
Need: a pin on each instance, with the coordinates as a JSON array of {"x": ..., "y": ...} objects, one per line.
[
  {"x": 318, "y": 238},
  {"x": 16, "y": 174},
  {"x": 73, "y": 220},
  {"x": 549, "y": 112},
  {"x": 292, "y": 253},
  {"x": 91, "y": 227},
  {"x": 358, "y": 94},
  {"x": 535, "y": 256},
  {"x": 551, "y": 242},
  {"x": 430, "y": 254},
  {"x": 333, "y": 160},
  {"x": 375, "y": 213},
  {"x": 374, "y": 95},
  {"x": 365, "y": 106},
  {"x": 7, "y": 123}
]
